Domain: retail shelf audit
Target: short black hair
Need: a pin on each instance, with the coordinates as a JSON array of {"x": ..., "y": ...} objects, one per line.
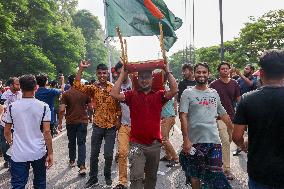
[
  {"x": 11, "y": 81},
  {"x": 203, "y": 64},
  {"x": 118, "y": 66},
  {"x": 223, "y": 63},
  {"x": 102, "y": 67},
  {"x": 251, "y": 67},
  {"x": 28, "y": 82},
  {"x": 272, "y": 63},
  {"x": 41, "y": 80},
  {"x": 71, "y": 79},
  {"x": 187, "y": 66},
  {"x": 53, "y": 83}
]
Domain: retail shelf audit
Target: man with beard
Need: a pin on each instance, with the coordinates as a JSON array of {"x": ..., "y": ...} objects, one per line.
[
  {"x": 145, "y": 135},
  {"x": 261, "y": 111},
  {"x": 104, "y": 122},
  {"x": 201, "y": 156},
  {"x": 246, "y": 80},
  {"x": 247, "y": 83},
  {"x": 188, "y": 79},
  {"x": 229, "y": 92},
  {"x": 11, "y": 95}
]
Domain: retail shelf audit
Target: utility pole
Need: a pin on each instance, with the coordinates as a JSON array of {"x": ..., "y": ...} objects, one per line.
[{"x": 221, "y": 29}]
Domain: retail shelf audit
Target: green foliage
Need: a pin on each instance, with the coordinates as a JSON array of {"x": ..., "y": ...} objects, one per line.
[
  {"x": 48, "y": 36},
  {"x": 97, "y": 52},
  {"x": 266, "y": 32}
]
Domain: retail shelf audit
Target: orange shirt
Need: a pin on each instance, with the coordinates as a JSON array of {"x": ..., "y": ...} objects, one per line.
[{"x": 107, "y": 108}]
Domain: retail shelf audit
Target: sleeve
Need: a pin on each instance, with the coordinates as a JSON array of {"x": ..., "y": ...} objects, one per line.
[
  {"x": 184, "y": 101},
  {"x": 7, "y": 116},
  {"x": 240, "y": 117},
  {"x": 128, "y": 95},
  {"x": 220, "y": 109},
  {"x": 86, "y": 89},
  {"x": 47, "y": 115},
  {"x": 56, "y": 92}
]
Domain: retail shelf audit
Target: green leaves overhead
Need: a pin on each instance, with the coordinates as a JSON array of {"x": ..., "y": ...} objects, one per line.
[{"x": 47, "y": 36}]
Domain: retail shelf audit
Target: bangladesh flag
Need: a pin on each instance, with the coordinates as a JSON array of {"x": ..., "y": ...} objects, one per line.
[{"x": 141, "y": 18}]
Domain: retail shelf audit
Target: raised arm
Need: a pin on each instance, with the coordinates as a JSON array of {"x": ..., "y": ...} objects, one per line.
[
  {"x": 62, "y": 83},
  {"x": 115, "y": 92},
  {"x": 88, "y": 90},
  {"x": 247, "y": 80},
  {"x": 172, "y": 84}
]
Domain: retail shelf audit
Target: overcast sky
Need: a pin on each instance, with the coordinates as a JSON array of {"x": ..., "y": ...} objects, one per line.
[{"x": 207, "y": 29}]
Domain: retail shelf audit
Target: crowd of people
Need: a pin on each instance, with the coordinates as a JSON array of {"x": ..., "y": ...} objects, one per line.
[{"x": 212, "y": 115}]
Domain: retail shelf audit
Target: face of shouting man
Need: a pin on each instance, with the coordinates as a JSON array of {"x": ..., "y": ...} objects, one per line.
[{"x": 145, "y": 80}]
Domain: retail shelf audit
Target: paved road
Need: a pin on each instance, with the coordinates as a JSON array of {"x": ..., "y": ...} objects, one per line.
[{"x": 60, "y": 176}]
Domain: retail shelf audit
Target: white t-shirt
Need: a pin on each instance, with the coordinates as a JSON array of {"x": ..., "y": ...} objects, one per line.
[
  {"x": 10, "y": 97},
  {"x": 27, "y": 115},
  {"x": 125, "y": 112}
]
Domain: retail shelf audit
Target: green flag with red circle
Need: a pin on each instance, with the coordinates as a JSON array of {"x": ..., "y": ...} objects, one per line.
[{"x": 141, "y": 18}]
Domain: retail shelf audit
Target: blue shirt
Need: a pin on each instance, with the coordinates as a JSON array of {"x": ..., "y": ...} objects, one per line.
[
  {"x": 48, "y": 96},
  {"x": 168, "y": 109},
  {"x": 244, "y": 87}
]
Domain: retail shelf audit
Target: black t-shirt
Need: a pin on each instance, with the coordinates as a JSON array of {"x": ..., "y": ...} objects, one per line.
[
  {"x": 263, "y": 111},
  {"x": 182, "y": 85}
]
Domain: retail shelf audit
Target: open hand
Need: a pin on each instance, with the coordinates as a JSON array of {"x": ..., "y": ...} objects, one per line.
[{"x": 84, "y": 64}]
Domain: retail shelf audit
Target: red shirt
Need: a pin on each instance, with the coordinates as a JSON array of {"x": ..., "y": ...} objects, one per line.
[{"x": 145, "y": 114}]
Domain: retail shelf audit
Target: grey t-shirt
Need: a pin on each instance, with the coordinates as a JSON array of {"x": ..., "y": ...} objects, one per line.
[{"x": 202, "y": 107}]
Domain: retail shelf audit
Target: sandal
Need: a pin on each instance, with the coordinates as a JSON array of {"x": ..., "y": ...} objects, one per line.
[
  {"x": 165, "y": 159},
  {"x": 173, "y": 163}
]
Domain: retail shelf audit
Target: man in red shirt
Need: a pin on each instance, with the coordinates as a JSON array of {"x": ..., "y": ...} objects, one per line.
[{"x": 145, "y": 111}]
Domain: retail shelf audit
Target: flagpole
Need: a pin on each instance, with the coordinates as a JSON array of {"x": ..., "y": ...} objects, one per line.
[
  {"x": 221, "y": 29},
  {"x": 107, "y": 42}
]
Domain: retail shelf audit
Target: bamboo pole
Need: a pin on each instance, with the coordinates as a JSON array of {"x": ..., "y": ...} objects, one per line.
[
  {"x": 162, "y": 45},
  {"x": 121, "y": 45}
]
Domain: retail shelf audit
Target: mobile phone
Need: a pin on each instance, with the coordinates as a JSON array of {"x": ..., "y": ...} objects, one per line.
[
  {"x": 192, "y": 151},
  {"x": 2, "y": 101}
]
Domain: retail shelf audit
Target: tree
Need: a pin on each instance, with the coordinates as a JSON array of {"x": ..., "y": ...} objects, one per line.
[{"x": 266, "y": 32}]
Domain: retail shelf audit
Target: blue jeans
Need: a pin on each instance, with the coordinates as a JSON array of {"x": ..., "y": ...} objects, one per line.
[
  {"x": 20, "y": 173},
  {"x": 254, "y": 185},
  {"x": 96, "y": 141},
  {"x": 79, "y": 132},
  {"x": 4, "y": 145}
]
